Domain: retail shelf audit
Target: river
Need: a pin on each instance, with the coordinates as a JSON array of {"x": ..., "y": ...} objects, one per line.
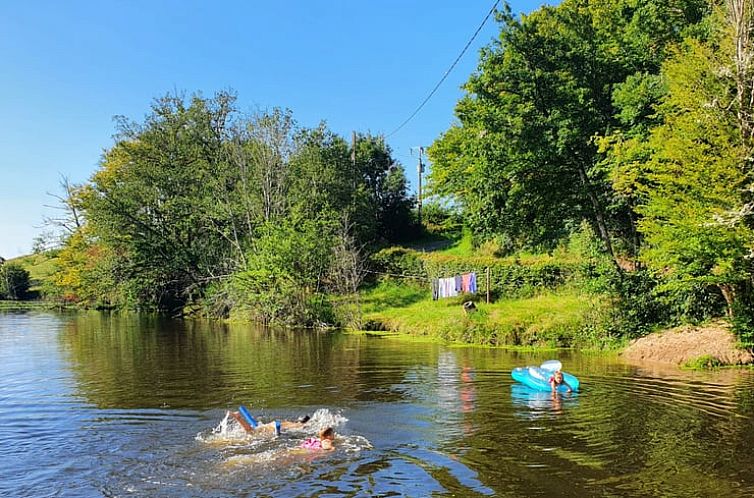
[{"x": 94, "y": 404}]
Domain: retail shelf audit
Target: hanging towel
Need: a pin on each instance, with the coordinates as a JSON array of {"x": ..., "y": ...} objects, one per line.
[
  {"x": 435, "y": 289},
  {"x": 442, "y": 291},
  {"x": 459, "y": 284},
  {"x": 466, "y": 282},
  {"x": 472, "y": 282},
  {"x": 449, "y": 287}
]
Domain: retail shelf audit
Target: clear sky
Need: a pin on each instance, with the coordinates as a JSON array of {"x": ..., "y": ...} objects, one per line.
[{"x": 68, "y": 67}]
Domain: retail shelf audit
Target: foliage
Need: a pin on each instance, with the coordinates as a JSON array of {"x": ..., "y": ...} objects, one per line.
[
  {"x": 509, "y": 278},
  {"x": 440, "y": 219},
  {"x": 14, "y": 281},
  {"x": 286, "y": 271},
  {"x": 695, "y": 180},
  {"x": 523, "y": 162},
  {"x": 398, "y": 263},
  {"x": 191, "y": 203},
  {"x": 703, "y": 362}
]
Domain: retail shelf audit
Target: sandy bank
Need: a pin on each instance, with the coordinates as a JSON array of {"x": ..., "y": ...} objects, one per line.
[{"x": 682, "y": 344}]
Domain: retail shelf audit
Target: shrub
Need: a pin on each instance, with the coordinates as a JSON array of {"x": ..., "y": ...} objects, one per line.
[
  {"x": 14, "y": 282},
  {"x": 508, "y": 279},
  {"x": 702, "y": 362},
  {"x": 398, "y": 263}
]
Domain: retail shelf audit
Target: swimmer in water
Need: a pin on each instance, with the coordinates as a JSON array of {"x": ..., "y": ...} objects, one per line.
[
  {"x": 250, "y": 424},
  {"x": 325, "y": 441}
]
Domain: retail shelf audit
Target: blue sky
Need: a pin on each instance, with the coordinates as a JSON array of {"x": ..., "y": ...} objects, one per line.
[{"x": 69, "y": 67}]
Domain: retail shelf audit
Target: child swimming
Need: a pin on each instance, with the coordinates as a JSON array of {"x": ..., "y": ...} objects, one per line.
[
  {"x": 325, "y": 441},
  {"x": 250, "y": 424}
]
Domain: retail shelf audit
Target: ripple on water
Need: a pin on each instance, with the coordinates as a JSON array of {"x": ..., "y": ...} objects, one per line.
[{"x": 102, "y": 405}]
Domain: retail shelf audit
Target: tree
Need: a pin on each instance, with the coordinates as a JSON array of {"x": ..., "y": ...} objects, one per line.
[
  {"x": 69, "y": 206},
  {"x": 152, "y": 200},
  {"x": 698, "y": 180},
  {"x": 523, "y": 161},
  {"x": 14, "y": 281},
  {"x": 284, "y": 280},
  {"x": 347, "y": 271}
]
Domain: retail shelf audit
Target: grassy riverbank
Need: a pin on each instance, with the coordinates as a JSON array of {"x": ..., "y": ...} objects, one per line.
[
  {"x": 559, "y": 318},
  {"x": 7, "y": 305}
]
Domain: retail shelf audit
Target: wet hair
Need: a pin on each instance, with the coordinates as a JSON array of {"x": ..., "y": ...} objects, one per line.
[{"x": 327, "y": 433}]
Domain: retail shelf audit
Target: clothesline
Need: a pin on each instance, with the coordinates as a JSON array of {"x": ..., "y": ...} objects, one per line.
[
  {"x": 420, "y": 277},
  {"x": 403, "y": 275}
]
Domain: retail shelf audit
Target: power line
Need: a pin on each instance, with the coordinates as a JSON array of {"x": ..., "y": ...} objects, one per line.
[{"x": 446, "y": 72}]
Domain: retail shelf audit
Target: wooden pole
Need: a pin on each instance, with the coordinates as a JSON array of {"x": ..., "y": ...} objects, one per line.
[
  {"x": 487, "y": 271},
  {"x": 420, "y": 170}
]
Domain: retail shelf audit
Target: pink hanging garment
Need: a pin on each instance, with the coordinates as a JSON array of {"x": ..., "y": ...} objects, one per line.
[{"x": 466, "y": 282}]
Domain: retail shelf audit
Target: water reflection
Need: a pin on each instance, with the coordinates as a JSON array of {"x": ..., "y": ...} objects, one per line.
[
  {"x": 117, "y": 402},
  {"x": 532, "y": 403}
]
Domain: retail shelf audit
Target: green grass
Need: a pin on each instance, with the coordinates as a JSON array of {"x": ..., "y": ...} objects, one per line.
[
  {"x": 31, "y": 305},
  {"x": 565, "y": 317},
  {"x": 703, "y": 363},
  {"x": 461, "y": 247},
  {"x": 41, "y": 267}
]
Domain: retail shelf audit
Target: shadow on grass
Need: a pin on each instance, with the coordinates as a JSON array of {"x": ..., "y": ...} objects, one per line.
[{"x": 381, "y": 298}]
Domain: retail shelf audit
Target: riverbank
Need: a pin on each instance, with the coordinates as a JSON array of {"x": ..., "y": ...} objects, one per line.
[
  {"x": 710, "y": 345},
  {"x": 563, "y": 317},
  {"x": 9, "y": 305}
]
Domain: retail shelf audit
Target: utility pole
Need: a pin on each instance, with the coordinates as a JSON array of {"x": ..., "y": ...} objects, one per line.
[
  {"x": 353, "y": 159},
  {"x": 420, "y": 170},
  {"x": 353, "y": 148}
]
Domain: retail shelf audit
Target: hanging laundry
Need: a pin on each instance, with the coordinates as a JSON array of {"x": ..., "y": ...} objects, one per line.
[
  {"x": 472, "y": 282},
  {"x": 450, "y": 287},
  {"x": 466, "y": 282},
  {"x": 442, "y": 290},
  {"x": 435, "y": 289},
  {"x": 459, "y": 284}
]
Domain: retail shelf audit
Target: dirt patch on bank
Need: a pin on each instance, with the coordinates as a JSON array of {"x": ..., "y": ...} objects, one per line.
[{"x": 682, "y": 344}]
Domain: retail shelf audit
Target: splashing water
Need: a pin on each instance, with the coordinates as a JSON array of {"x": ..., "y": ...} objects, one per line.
[
  {"x": 324, "y": 418},
  {"x": 240, "y": 448}
]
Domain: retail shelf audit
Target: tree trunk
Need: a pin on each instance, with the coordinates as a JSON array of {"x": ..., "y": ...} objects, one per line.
[
  {"x": 599, "y": 218},
  {"x": 729, "y": 293}
]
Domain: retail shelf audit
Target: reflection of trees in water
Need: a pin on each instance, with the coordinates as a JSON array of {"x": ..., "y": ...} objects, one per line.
[{"x": 130, "y": 361}]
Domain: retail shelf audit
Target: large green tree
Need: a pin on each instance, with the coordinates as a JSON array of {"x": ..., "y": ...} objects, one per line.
[
  {"x": 197, "y": 193},
  {"x": 523, "y": 160},
  {"x": 697, "y": 216},
  {"x": 152, "y": 199}
]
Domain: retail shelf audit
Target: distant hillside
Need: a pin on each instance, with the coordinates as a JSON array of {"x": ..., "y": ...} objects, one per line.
[{"x": 40, "y": 266}]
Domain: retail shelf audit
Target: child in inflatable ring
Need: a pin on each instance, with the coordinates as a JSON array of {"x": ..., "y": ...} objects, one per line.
[{"x": 556, "y": 379}]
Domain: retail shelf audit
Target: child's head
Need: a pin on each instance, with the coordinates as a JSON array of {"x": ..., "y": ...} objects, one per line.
[
  {"x": 327, "y": 433},
  {"x": 558, "y": 375},
  {"x": 326, "y": 437}
]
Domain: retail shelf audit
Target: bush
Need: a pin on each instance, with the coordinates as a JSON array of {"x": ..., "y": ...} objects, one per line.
[
  {"x": 508, "y": 279},
  {"x": 14, "y": 282},
  {"x": 703, "y": 362},
  {"x": 398, "y": 263},
  {"x": 743, "y": 320}
]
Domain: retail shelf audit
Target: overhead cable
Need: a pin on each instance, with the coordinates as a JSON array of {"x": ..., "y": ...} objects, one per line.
[{"x": 446, "y": 72}]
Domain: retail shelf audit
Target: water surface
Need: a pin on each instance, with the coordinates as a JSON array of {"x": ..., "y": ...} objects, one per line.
[{"x": 100, "y": 405}]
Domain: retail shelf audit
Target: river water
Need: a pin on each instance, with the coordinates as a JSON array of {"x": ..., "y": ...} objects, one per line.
[{"x": 100, "y": 405}]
